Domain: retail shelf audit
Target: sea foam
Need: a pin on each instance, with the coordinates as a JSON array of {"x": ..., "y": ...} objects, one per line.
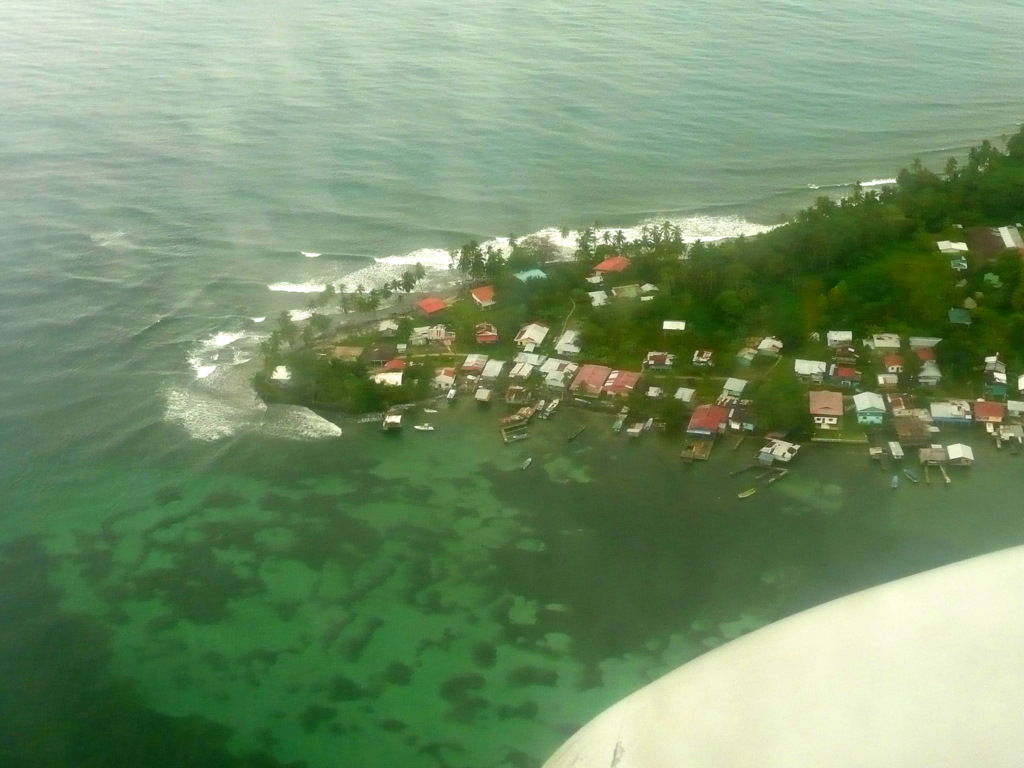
[{"x": 298, "y": 287}]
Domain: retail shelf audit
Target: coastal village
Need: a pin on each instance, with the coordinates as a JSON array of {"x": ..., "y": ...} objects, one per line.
[{"x": 883, "y": 390}]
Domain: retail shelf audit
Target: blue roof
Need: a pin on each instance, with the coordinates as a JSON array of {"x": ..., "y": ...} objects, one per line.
[
  {"x": 959, "y": 316},
  {"x": 530, "y": 274}
]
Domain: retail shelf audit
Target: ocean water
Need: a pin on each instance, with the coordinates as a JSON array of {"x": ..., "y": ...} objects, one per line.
[{"x": 192, "y": 578}]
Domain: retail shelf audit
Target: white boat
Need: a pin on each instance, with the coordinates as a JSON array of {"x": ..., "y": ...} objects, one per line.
[
  {"x": 527, "y": 463},
  {"x": 450, "y": 397},
  {"x": 430, "y": 410},
  {"x": 426, "y": 427}
]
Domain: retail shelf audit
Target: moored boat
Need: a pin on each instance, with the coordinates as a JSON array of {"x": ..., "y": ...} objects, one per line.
[
  {"x": 746, "y": 493},
  {"x": 425, "y": 427},
  {"x": 911, "y": 476},
  {"x": 528, "y": 462}
]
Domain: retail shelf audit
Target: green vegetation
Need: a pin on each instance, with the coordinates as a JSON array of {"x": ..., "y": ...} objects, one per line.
[{"x": 866, "y": 263}]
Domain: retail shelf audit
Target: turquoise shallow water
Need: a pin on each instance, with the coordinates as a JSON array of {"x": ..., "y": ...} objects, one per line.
[{"x": 190, "y": 577}]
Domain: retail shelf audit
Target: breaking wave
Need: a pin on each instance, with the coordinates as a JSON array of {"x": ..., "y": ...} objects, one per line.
[{"x": 862, "y": 184}]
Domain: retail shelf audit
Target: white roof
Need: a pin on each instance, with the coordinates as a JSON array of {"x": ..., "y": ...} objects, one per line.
[
  {"x": 1020, "y": 383},
  {"x": 865, "y": 401},
  {"x": 493, "y": 369},
  {"x": 770, "y": 344},
  {"x": 554, "y": 364},
  {"x": 595, "y": 279},
  {"x": 534, "y": 333},
  {"x": 949, "y": 246},
  {"x": 921, "y": 671},
  {"x": 387, "y": 325},
  {"x": 388, "y": 378},
  {"x": 923, "y": 342},
  {"x": 673, "y": 325},
  {"x": 951, "y": 409},
  {"x": 648, "y": 288},
  {"x": 1015, "y": 406},
  {"x": 521, "y": 371},
  {"x": 734, "y": 385},
  {"x": 685, "y": 394},
  {"x": 530, "y": 357},
  {"x": 885, "y": 341},
  {"x": 1011, "y": 237},
  {"x": 888, "y": 379},
  {"x": 598, "y": 298},
  {"x": 839, "y": 337},
  {"x": 568, "y": 343},
  {"x": 930, "y": 369},
  {"x": 809, "y": 367},
  {"x": 960, "y": 451},
  {"x": 281, "y": 373},
  {"x": 655, "y": 392}
]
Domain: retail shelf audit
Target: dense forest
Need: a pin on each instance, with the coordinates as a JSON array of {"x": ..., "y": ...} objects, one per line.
[{"x": 866, "y": 263}]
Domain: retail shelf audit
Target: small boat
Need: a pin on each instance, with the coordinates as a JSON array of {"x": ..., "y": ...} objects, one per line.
[
  {"x": 450, "y": 397},
  {"x": 575, "y": 434},
  {"x": 895, "y": 482},
  {"x": 430, "y": 410},
  {"x": 527, "y": 463},
  {"x": 425, "y": 427},
  {"x": 911, "y": 476},
  {"x": 746, "y": 493}
]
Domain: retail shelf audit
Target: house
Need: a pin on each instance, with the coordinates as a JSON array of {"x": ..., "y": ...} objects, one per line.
[
  {"x": 485, "y": 333},
  {"x": 349, "y": 354},
  {"x": 532, "y": 358},
  {"x": 598, "y": 298},
  {"x": 530, "y": 274},
  {"x": 431, "y": 305},
  {"x": 673, "y": 325},
  {"x": 281, "y": 373},
  {"x": 659, "y": 361},
  {"x": 775, "y": 450},
  {"x": 924, "y": 354},
  {"x": 987, "y": 412},
  {"x": 482, "y": 395},
  {"x": 826, "y": 409},
  {"x": 707, "y": 420},
  {"x": 474, "y": 363},
  {"x": 492, "y": 370},
  {"x": 631, "y": 291},
  {"x": 387, "y": 328},
  {"x": 960, "y": 454},
  {"x": 893, "y": 363},
  {"x": 569, "y": 343},
  {"x": 741, "y": 419},
  {"x": 995, "y": 384},
  {"x": 734, "y": 388},
  {"x": 888, "y": 380},
  {"x": 923, "y": 342},
  {"x": 1015, "y": 408},
  {"x": 912, "y": 430},
  {"x": 843, "y": 376},
  {"x": 531, "y": 335},
  {"x": 558, "y": 373},
  {"x": 444, "y": 379},
  {"x": 703, "y": 358},
  {"x": 992, "y": 280},
  {"x": 884, "y": 343},
  {"x": 958, "y": 264},
  {"x": 1020, "y": 383},
  {"x": 969, "y": 303},
  {"x": 932, "y": 455},
  {"x": 929, "y": 375},
  {"x": 745, "y": 357},
  {"x": 685, "y": 395},
  {"x": 951, "y": 412},
  {"x": 994, "y": 365},
  {"x": 398, "y": 364},
  {"x": 521, "y": 371},
  {"x": 378, "y": 355},
  {"x": 948, "y": 248},
  {"x": 620, "y": 383},
  {"x": 959, "y": 316},
  {"x": 648, "y": 288},
  {"x": 388, "y": 378},
  {"x": 655, "y": 392},
  {"x": 845, "y": 355},
  {"x": 483, "y": 296},
  {"x": 839, "y": 338},
  {"x": 870, "y": 408},
  {"x": 431, "y": 334},
  {"x": 612, "y": 264},
  {"x": 810, "y": 370},
  {"x": 590, "y": 380},
  {"x": 770, "y": 346}
]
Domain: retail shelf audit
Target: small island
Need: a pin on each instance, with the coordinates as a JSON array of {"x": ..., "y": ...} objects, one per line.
[{"x": 875, "y": 318}]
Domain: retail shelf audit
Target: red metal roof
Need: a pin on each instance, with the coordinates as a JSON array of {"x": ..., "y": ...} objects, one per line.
[
  {"x": 988, "y": 411},
  {"x": 927, "y": 353},
  {"x": 430, "y": 305},
  {"x": 394, "y": 365},
  {"x": 845, "y": 372},
  {"x": 484, "y": 294},
  {"x": 891, "y": 360},
  {"x": 707, "y": 418},
  {"x": 590, "y": 379},
  {"x": 613, "y": 264},
  {"x": 621, "y": 382}
]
